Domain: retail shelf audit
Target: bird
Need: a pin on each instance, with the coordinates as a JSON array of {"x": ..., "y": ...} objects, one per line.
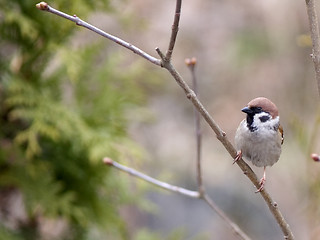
[{"x": 259, "y": 136}]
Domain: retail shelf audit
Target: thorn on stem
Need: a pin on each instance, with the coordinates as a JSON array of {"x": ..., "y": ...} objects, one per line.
[
  {"x": 107, "y": 161},
  {"x": 42, "y": 6}
]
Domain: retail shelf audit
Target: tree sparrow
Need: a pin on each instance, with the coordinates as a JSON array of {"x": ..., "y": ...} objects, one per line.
[{"x": 259, "y": 137}]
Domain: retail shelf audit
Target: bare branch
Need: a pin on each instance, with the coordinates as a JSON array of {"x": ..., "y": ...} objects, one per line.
[
  {"x": 191, "y": 63},
  {"x": 164, "y": 185},
  {"x": 45, "y": 7},
  {"x": 235, "y": 228},
  {"x": 229, "y": 147},
  {"x": 315, "y": 36},
  {"x": 174, "y": 31},
  {"x": 193, "y": 194},
  {"x": 166, "y": 63}
]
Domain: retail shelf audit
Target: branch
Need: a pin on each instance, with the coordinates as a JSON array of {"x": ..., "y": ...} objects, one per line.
[
  {"x": 191, "y": 63},
  {"x": 229, "y": 147},
  {"x": 315, "y": 36},
  {"x": 45, "y": 7},
  {"x": 154, "y": 181},
  {"x": 193, "y": 194},
  {"x": 174, "y": 31},
  {"x": 234, "y": 227},
  {"x": 166, "y": 63}
]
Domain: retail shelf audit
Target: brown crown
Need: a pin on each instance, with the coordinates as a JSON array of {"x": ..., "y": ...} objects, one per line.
[{"x": 265, "y": 104}]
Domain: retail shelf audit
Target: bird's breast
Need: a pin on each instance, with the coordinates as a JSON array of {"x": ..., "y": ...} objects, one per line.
[{"x": 262, "y": 147}]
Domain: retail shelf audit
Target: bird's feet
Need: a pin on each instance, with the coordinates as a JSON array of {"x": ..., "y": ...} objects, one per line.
[
  {"x": 262, "y": 182},
  {"x": 238, "y": 156}
]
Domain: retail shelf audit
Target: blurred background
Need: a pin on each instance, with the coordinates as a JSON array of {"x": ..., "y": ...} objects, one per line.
[{"x": 68, "y": 98}]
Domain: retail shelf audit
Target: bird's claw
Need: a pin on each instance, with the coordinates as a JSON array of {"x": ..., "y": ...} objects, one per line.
[
  {"x": 262, "y": 182},
  {"x": 238, "y": 156}
]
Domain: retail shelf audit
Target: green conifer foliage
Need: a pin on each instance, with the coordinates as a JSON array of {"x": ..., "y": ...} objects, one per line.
[{"x": 61, "y": 111}]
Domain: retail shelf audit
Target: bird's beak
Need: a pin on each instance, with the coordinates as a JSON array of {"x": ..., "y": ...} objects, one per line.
[{"x": 247, "y": 110}]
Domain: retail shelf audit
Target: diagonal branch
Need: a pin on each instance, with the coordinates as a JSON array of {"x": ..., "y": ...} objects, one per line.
[
  {"x": 228, "y": 146},
  {"x": 164, "y": 185},
  {"x": 315, "y": 36},
  {"x": 191, "y": 63},
  {"x": 234, "y": 227},
  {"x": 174, "y": 30},
  {"x": 193, "y": 194},
  {"x": 45, "y": 7},
  {"x": 166, "y": 63}
]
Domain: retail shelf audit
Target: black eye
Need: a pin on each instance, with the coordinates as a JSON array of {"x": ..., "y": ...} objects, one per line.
[
  {"x": 256, "y": 109},
  {"x": 264, "y": 118}
]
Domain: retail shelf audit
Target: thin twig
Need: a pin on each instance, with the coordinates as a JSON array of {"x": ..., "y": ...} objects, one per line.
[
  {"x": 191, "y": 63},
  {"x": 164, "y": 185},
  {"x": 166, "y": 63},
  {"x": 229, "y": 147},
  {"x": 174, "y": 31},
  {"x": 234, "y": 227},
  {"x": 45, "y": 7},
  {"x": 315, "y": 36},
  {"x": 193, "y": 194}
]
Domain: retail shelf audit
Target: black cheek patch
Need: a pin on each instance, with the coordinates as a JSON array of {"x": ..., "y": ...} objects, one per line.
[{"x": 264, "y": 118}]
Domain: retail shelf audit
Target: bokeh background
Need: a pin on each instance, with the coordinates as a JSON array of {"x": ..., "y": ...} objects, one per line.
[{"x": 68, "y": 98}]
